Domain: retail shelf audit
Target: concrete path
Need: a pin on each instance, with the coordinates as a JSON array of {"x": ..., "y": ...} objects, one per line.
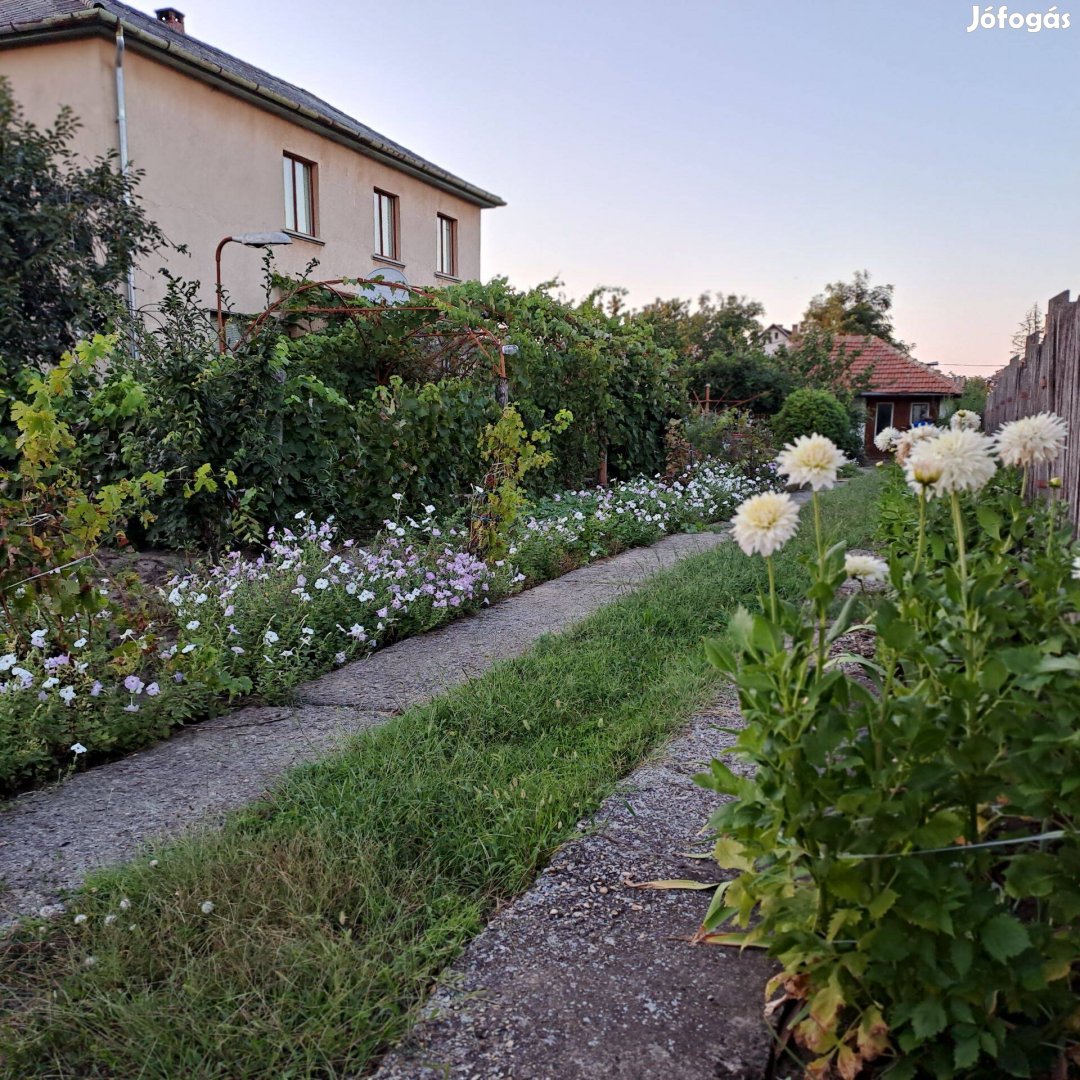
[
  {"x": 50, "y": 839},
  {"x": 584, "y": 976}
]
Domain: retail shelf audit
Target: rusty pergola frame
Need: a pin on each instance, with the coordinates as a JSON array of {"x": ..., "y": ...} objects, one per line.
[{"x": 480, "y": 341}]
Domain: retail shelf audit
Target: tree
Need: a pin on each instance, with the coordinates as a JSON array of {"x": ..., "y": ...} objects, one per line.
[
  {"x": 854, "y": 307},
  {"x": 68, "y": 235},
  {"x": 726, "y": 324},
  {"x": 1032, "y": 323}
]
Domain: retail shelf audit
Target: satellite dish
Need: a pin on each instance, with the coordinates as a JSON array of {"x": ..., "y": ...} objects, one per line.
[{"x": 385, "y": 294}]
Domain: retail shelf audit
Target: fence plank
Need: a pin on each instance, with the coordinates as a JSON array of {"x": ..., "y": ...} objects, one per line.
[{"x": 1047, "y": 379}]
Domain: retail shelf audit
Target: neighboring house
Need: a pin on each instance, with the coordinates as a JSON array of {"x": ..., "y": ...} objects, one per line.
[
  {"x": 774, "y": 338},
  {"x": 902, "y": 392},
  {"x": 229, "y": 149}
]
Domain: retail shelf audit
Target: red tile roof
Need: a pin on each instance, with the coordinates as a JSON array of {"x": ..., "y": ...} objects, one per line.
[{"x": 892, "y": 371}]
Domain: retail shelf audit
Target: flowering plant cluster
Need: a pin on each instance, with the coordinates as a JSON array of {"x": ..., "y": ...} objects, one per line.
[
  {"x": 570, "y": 529},
  {"x": 908, "y": 846},
  {"x": 102, "y": 679}
]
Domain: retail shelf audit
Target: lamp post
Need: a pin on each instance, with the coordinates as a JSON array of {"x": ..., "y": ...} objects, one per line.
[{"x": 255, "y": 239}]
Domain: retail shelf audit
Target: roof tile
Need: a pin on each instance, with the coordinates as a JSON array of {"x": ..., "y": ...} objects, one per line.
[{"x": 892, "y": 371}]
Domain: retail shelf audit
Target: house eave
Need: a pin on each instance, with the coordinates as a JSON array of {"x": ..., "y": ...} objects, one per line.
[{"x": 169, "y": 50}]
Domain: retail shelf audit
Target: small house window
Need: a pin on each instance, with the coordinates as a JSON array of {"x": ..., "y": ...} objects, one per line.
[
  {"x": 299, "y": 195},
  {"x": 920, "y": 412},
  {"x": 446, "y": 246},
  {"x": 386, "y": 225},
  {"x": 883, "y": 417}
]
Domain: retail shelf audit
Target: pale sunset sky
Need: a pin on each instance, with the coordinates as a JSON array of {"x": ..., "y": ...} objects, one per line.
[{"x": 735, "y": 145}]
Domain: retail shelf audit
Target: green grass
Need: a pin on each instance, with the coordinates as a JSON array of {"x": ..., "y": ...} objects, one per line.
[{"x": 338, "y": 900}]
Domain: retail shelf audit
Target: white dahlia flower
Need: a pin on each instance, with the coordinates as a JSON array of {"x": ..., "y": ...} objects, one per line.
[
  {"x": 912, "y": 438},
  {"x": 866, "y": 568},
  {"x": 886, "y": 439},
  {"x": 811, "y": 459},
  {"x": 966, "y": 420},
  {"x": 957, "y": 460},
  {"x": 1034, "y": 440},
  {"x": 765, "y": 523}
]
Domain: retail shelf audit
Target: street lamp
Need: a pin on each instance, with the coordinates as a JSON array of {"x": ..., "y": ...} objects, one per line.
[{"x": 251, "y": 239}]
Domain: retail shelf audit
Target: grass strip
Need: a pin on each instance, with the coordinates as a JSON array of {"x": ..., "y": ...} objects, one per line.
[{"x": 338, "y": 899}]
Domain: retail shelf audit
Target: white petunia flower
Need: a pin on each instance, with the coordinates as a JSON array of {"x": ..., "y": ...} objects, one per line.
[
  {"x": 37, "y": 639},
  {"x": 270, "y": 637},
  {"x": 78, "y": 748},
  {"x": 957, "y": 460},
  {"x": 765, "y": 523},
  {"x": 811, "y": 459},
  {"x": 80, "y": 919},
  {"x": 1034, "y": 440},
  {"x": 206, "y": 907},
  {"x": 886, "y": 439},
  {"x": 866, "y": 568}
]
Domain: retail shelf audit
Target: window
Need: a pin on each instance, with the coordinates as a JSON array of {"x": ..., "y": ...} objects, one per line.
[
  {"x": 446, "y": 246},
  {"x": 386, "y": 225},
  {"x": 883, "y": 418},
  {"x": 299, "y": 195},
  {"x": 920, "y": 412}
]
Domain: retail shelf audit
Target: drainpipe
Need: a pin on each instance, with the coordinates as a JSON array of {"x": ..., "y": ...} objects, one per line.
[{"x": 125, "y": 167}]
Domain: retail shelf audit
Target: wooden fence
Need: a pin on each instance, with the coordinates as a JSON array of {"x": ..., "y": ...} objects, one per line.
[{"x": 1047, "y": 379}]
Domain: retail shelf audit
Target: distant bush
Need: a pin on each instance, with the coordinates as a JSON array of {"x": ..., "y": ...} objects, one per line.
[{"x": 806, "y": 412}]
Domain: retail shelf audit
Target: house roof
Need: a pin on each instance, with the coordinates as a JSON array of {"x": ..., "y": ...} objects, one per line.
[
  {"x": 27, "y": 21},
  {"x": 891, "y": 370}
]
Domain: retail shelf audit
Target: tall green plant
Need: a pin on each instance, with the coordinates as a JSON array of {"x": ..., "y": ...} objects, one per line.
[{"x": 908, "y": 846}]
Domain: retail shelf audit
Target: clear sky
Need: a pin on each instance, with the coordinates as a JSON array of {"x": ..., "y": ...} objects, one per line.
[{"x": 761, "y": 148}]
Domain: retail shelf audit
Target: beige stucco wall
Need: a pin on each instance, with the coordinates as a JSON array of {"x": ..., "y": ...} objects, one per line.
[{"x": 213, "y": 165}]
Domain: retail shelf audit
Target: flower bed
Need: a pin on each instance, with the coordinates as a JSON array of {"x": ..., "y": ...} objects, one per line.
[{"x": 106, "y": 680}]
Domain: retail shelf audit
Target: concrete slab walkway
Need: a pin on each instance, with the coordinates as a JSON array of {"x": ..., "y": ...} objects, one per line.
[
  {"x": 585, "y": 976},
  {"x": 50, "y": 839}
]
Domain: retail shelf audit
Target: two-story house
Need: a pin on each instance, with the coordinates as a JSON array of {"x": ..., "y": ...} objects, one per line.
[{"x": 229, "y": 149}]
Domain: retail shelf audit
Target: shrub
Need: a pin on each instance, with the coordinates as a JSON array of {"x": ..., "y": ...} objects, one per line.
[
  {"x": 909, "y": 845},
  {"x": 807, "y": 411}
]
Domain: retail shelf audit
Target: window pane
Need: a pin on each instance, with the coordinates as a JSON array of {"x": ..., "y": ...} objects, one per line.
[
  {"x": 390, "y": 240},
  {"x": 290, "y": 196},
  {"x": 376, "y": 228},
  {"x": 304, "y": 223},
  {"x": 884, "y": 416}
]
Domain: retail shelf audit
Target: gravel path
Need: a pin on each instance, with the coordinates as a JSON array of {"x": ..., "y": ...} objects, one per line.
[
  {"x": 584, "y": 976},
  {"x": 50, "y": 839}
]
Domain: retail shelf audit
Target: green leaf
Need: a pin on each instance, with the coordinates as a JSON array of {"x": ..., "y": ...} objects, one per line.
[
  {"x": 882, "y": 903},
  {"x": 990, "y": 520},
  {"x": 966, "y": 1052},
  {"x": 961, "y": 951},
  {"x": 928, "y": 1018},
  {"x": 741, "y": 626},
  {"x": 1004, "y": 937}
]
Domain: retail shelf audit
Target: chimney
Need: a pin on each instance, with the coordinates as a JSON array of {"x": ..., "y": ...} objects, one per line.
[{"x": 172, "y": 18}]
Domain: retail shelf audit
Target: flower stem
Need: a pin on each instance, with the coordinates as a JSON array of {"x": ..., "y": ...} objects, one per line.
[
  {"x": 958, "y": 527},
  {"x": 772, "y": 587},
  {"x": 822, "y": 604},
  {"x": 920, "y": 551}
]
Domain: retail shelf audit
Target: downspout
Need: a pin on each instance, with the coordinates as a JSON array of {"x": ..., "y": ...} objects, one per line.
[{"x": 125, "y": 168}]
